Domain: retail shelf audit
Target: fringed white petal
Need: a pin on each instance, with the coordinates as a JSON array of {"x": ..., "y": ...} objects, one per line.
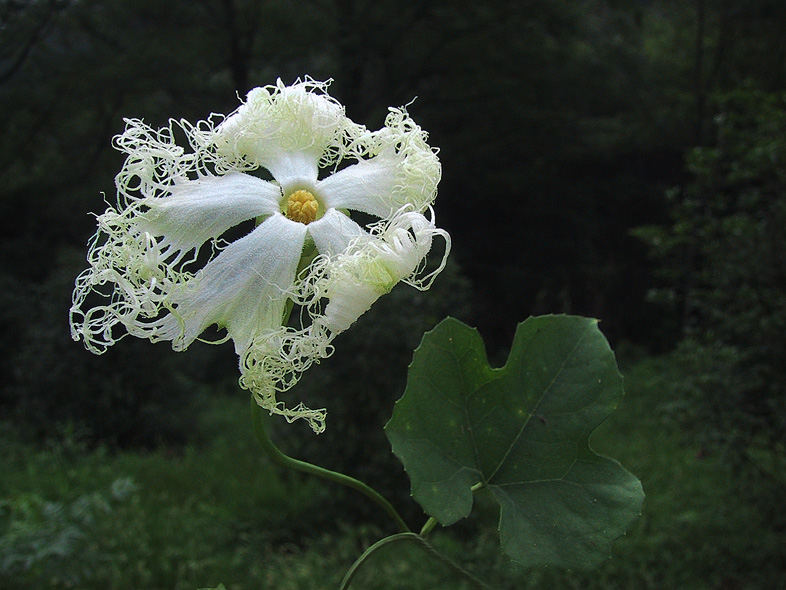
[
  {"x": 244, "y": 289},
  {"x": 370, "y": 267},
  {"x": 367, "y": 186},
  {"x": 301, "y": 118},
  {"x": 200, "y": 210},
  {"x": 274, "y": 363},
  {"x": 396, "y": 168},
  {"x": 129, "y": 271},
  {"x": 154, "y": 159},
  {"x": 334, "y": 231}
]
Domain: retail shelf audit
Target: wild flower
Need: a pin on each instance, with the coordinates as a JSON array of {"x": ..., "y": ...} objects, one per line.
[{"x": 287, "y": 166}]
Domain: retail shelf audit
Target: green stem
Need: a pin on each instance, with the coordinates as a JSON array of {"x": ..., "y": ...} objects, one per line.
[
  {"x": 345, "y": 583},
  {"x": 258, "y": 420},
  {"x": 428, "y": 527}
]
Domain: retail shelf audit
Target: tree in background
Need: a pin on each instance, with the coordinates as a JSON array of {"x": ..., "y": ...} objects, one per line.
[
  {"x": 722, "y": 255},
  {"x": 724, "y": 259},
  {"x": 560, "y": 125}
]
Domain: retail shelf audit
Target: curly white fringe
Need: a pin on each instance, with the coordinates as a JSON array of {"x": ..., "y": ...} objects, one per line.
[{"x": 137, "y": 274}]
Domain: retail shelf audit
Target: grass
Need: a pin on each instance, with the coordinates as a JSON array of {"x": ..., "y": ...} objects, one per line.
[{"x": 219, "y": 513}]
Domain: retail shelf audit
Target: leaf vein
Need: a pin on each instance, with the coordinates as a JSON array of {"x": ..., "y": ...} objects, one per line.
[{"x": 540, "y": 400}]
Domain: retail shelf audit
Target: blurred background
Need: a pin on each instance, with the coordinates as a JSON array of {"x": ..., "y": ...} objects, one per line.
[{"x": 621, "y": 159}]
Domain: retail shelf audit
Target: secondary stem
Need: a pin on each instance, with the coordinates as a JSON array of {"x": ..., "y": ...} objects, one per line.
[
  {"x": 272, "y": 451},
  {"x": 428, "y": 527},
  {"x": 412, "y": 537}
]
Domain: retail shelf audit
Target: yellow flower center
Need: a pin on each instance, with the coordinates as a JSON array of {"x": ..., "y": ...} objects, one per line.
[{"x": 302, "y": 207}]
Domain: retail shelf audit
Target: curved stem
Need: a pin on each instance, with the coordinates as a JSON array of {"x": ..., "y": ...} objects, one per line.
[
  {"x": 345, "y": 583},
  {"x": 258, "y": 421}
]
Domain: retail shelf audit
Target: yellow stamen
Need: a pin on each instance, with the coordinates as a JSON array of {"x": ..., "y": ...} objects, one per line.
[{"x": 302, "y": 207}]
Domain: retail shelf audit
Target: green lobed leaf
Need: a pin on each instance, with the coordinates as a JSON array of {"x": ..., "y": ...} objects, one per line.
[{"x": 522, "y": 431}]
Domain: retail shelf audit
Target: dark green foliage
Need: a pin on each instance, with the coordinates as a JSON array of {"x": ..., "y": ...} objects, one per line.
[
  {"x": 218, "y": 514},
  {"x": 724, "y": 258},
  {"x": 77, "y": 518},
  {"x": 56, "y": 541}
]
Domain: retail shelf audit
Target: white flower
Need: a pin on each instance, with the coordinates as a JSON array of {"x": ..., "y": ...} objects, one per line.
[{"x": 163, "y": 264}]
